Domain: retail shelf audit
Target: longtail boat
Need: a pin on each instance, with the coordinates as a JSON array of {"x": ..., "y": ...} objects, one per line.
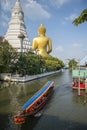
[
  {"x": 35, "y": 103},
  {"x": 79, "y": 78}
]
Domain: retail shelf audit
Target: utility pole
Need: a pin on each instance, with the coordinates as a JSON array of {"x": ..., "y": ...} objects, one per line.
[{"x": 79, "y": 81}]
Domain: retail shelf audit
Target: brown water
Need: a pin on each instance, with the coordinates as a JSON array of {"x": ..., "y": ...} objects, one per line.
[{"x": 64, "y": 111}]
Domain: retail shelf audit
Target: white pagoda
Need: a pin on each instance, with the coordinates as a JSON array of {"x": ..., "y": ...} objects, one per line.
[{"x": 16, "y": 34}]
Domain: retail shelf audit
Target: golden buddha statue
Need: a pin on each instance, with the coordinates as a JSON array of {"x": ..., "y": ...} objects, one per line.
[{"x": 42, "y": 44}]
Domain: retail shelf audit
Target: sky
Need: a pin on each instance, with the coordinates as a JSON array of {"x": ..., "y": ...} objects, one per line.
[{"x": 68, "y": 41}]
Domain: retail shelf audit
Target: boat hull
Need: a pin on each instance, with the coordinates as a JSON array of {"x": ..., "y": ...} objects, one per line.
[
  {"x": 77, "y": 85},
  {"x": 35, "y": 106}
]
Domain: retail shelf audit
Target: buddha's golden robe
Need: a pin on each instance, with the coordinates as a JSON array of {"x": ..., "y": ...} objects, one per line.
[{"x": 42, "y": 44}]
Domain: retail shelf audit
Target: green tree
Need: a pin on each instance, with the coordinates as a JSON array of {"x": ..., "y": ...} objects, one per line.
[
  {"x": 81, "y": 18},
  {"x": 72, "y": 64},
  {"x": 29, "y": 63},
  {"x": 53, "y": 64},
  {"x": 7, "y": 55}
]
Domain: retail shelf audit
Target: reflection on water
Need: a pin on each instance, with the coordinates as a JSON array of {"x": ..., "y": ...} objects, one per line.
[
  {"x": 12, "y": 97},
  {"x": 82, "y": 99},
  {"x": 65, "y": 111}
]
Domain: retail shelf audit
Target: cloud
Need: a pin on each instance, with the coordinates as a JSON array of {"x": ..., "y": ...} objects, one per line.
[
  {"x": 4, "y": 19},
  {"x": 32, "y": 9},
  {"x": 6, "y": 5},
  {"x": 71, "y": 17},
  {"x": 58, "y": 3},
  {"x": 76, "y": 45},
  {"x": 35, "y": 11},
  {"x": 59, "y": 49}
]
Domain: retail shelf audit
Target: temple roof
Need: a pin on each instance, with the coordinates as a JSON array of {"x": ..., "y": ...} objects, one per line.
[{"x": 83, "y": 62}]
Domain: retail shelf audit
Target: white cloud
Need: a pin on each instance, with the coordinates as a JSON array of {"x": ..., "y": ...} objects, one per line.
[
  {"x": 4, "y": 19},
  {"x": 31, "y": 8},
  {"x": 58, "y": 3},
  {"x": 76, "y": 45},
  {"x": 59, "y": 48},
  {"x": 71, "y": 17},
  {"x": 34, "y": 10},
  {"x": 6, "y": 5}
]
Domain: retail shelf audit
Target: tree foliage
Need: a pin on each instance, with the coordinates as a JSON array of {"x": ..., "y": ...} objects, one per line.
[
  {"x": 25, "y": 63},
  {"x": 81, "y": 18},
  {"x": 7, "y": 55},
  {"x": 29, "y": 64},
  {"x": 53, "y": 64},
  {"x": 32, "y": 64},
  {"x": 72, "y": 64}
]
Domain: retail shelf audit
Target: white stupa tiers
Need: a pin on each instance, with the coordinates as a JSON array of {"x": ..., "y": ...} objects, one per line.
[{"x": 17, "y": 29}]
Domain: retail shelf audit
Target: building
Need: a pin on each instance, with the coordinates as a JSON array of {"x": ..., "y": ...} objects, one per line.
[
  {"x": 83, "y": 62},
  {"x": 16, "y": 34}
]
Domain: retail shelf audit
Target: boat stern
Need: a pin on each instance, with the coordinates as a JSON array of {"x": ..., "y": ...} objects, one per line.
[{"x": 19, "y": 119}]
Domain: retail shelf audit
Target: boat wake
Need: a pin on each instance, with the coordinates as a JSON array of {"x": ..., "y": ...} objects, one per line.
[
  {"x": 33, "y": 106},
  {"x": 39, "y": 114}
]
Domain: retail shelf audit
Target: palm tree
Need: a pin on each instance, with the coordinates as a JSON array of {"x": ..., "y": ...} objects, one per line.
[{"x": 81, "y": 18}]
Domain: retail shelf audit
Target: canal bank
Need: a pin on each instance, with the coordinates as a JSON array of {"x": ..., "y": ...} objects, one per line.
[{"x": 26, "y": 78}]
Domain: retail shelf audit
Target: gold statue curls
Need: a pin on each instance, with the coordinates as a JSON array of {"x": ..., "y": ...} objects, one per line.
[{"x": 41, "y": 29}]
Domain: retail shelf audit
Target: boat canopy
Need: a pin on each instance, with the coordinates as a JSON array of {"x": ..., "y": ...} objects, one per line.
[
  {"x": 79, "y": 73},
  {"x": 39, "y": 93}
]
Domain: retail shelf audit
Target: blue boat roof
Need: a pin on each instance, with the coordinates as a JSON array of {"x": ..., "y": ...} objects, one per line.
[{"x": 32, "y": 99}]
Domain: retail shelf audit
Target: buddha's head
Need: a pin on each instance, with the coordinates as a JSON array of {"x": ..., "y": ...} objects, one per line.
[{"x": 41, "y": 30}]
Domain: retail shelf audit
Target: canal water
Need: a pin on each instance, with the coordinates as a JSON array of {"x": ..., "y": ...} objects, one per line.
[{"x": 64, "y": 111}]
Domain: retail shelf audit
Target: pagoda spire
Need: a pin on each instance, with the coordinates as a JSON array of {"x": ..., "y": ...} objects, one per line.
[
  {"x": 17, "y": 0},
  {"x": 16, "y": 28}
]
